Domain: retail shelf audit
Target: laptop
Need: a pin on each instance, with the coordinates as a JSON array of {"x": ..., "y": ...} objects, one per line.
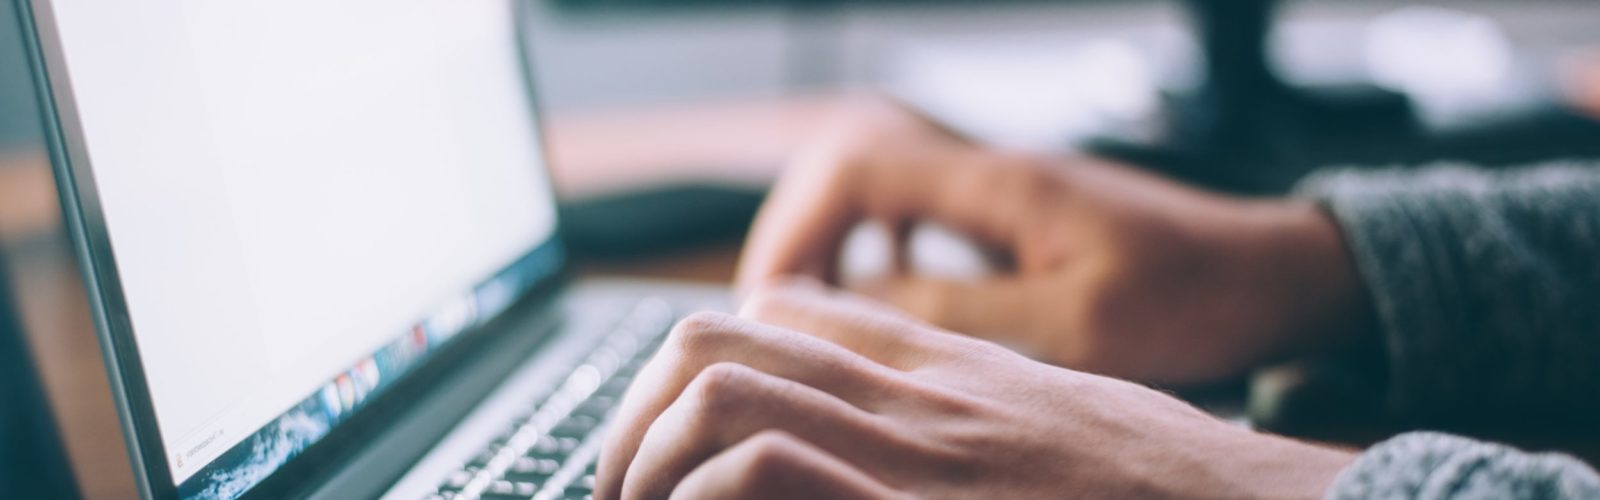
[{"x": 323, "y": 252}]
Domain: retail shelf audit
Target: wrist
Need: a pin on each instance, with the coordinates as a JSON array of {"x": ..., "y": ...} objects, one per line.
[
  {"x": 1305, "y": 276},
  {"x": 1233, "y": 462},
  {"x": 1278, "y": 467}
]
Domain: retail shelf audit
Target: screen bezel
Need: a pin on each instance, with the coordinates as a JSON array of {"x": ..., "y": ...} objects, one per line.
[{"x": 82, "y": 212}]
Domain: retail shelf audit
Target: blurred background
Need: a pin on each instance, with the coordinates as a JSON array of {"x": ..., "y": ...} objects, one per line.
[
  {"x": 1241, "y": 95},
  {"x": 667, "y": 119}
]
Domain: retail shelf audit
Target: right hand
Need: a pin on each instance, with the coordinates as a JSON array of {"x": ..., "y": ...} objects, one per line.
[
  {"x": 814, "y": 394},
  {"x": 1113, "y": 270}
]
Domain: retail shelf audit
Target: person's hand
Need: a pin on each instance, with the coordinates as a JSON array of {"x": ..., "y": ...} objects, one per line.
[
  {"x": 811, "y": 395},
  {"x": 1111, "y": 270}
]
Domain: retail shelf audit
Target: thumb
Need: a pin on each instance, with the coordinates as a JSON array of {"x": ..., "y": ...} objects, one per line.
[{"x": 995, "y": 308}]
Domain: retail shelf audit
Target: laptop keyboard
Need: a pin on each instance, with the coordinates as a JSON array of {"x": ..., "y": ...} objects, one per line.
[{"x": 550, "y": 452}]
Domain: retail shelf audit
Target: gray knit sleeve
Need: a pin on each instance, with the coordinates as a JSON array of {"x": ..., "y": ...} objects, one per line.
[
  {"x": 1487, "y": 291},
  {"x": 1426, "y": 465},
  {"x": 1486, "y": 285}
]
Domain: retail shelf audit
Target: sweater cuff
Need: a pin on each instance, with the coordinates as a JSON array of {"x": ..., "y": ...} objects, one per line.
[
  {"x": 1390, "y": 225},
  {"x": 1483, "y": 283},
  {"x": 1427, "y": 465}
]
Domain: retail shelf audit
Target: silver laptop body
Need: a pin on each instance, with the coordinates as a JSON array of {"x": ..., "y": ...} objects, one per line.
[{"x": 323, "y": 253}]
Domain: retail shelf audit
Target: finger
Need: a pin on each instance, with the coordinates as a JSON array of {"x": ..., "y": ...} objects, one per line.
[
  {"x": 804, "y": 221},
  {"x": 728, "y": 403},
  {"x": 879, "y": 333},
  {"x": 704, "y": 339},
  {"x": 801, "y": 225},
  {"x": 968, "y": 189},
  {"x": 775, "y": 465}
]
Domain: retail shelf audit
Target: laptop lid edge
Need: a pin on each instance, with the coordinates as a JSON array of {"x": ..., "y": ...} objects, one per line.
[{"x": 80, "y": 214}]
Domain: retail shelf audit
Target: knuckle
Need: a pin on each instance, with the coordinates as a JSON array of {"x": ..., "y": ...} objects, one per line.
[
  {"x": 767, "y": 449},
  {"x": 720, "y": 389},
  {"x": 837, "y": 175},
  {"x": 765, "y": 458},
  {"x": 703, "y": 320},
  {"x": 701, "y": 331},
  {"x": 1026, "y": 185}
]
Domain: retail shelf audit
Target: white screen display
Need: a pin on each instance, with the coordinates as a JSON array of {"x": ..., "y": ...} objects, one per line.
[{"x": 289, "y": 185}]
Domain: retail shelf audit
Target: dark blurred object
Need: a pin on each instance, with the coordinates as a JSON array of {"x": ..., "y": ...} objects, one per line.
[
  {"x": 1342, "y": 399},
  {"x": 32, "y": 461},
  {"x": 1244, "y": 129},
  {"x": 607, "y": 4},
  {"x": 1242, "y": 121},
  {"x": 1338, "y": 398},
  {"x": 655, "y": 220}
]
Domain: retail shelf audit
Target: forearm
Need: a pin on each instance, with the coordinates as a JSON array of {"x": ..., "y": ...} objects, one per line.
[{"x": 1486, "y": 285}]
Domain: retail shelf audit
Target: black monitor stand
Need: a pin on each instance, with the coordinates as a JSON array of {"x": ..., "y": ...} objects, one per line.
[{"x": 1244, "y": 129}]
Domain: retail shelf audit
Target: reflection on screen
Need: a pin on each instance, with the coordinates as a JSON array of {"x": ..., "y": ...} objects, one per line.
[{"x": 303, "y": 198}]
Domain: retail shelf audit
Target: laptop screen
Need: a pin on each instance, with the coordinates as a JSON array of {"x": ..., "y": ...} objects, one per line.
[{"x": 303, "y": 199}]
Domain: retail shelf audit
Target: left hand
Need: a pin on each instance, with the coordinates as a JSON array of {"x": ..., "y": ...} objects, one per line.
[
  {"x": 1111, "y": 270},
  {"x": 807, "y": 394}
]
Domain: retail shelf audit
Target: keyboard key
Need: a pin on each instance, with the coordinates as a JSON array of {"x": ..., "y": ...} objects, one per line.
[
  {"x": 575, "y": 426},
  {"x": 616, "y": 386},
  {"x": 577, "y": 493},
  {"x": 527, "y": 465},
  {"x": 600, "y": 381},
  {"x": 535, "y": 471},
  {"x": 483, "y": 457},
  {"x": 512, "y": 488},
  {"x": 458, "y": 479},
  {"x": 596, "y": 406},
  {"x": 553, "y": 447}
]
